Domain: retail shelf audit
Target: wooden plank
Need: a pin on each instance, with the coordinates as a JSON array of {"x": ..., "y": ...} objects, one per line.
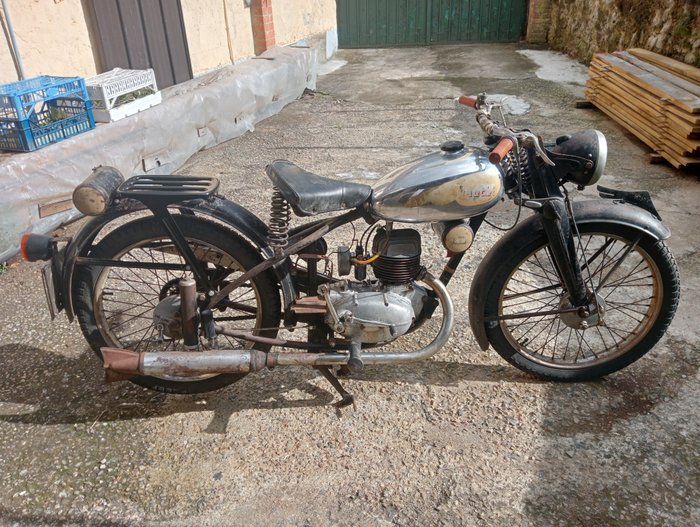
[
  {"x": 650, "y": 82},
  {"x": 54, "y": 207},
  {"x": 583, "y": 104},
  {"x": 655, "y": 158},
  {"x": 691, "y": 87},
  {"x": 601, "y": 71},
  {"x": 679, "y": 68},
  {"x": 606, "y": 105},
  {"x": 640, "y": 109},
  {"x": 680, "y": 124},
  {"x": 656, "y": 138},
  {"x": 655, "y": 125}
]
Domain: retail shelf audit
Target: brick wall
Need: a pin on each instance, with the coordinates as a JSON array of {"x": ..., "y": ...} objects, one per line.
[
  {"x": 538, "y": 21},
  {"x": 263, "y": 25}
]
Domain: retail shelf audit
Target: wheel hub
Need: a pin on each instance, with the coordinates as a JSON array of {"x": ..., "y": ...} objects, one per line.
[
  {"x": 166, "y": 317},
  {"x": 586, "y": 316}
]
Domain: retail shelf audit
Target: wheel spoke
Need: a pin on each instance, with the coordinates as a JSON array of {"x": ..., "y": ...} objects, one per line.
[
  {"x": 534, "y": 312},
  {"x": 127, "y": 297}
]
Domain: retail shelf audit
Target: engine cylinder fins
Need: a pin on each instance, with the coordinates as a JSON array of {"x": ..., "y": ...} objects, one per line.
[
  {"x": 399, "y": 260},
  {"x": 280, "y": 215},
  {"x": 396, "y": 271}
]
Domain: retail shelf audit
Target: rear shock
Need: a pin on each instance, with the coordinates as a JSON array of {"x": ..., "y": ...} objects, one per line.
[{"x": 280, "y": 215}]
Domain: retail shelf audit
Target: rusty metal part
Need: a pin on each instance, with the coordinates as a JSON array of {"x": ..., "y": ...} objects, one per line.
[
  {"x": 251, "y": 337},
  {"x": 129, "y": 362},
  {"x": 188, "y": 312},
  {"x": 310, "y": 305},
  {"x": 121, "y": 361},
  {"x": 305, "y": 238},
  {"x": 244, "y": 361}
]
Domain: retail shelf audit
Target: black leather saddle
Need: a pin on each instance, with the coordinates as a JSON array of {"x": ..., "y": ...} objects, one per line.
[{"x": 309, "y": 194}]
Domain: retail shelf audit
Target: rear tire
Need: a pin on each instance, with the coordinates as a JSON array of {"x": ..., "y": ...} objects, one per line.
[
  {"x": 639, "y": 299},
  {"x": 115, "y": 306}
]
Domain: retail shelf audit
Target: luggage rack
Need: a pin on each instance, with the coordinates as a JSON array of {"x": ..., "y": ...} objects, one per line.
[{"x": 163, "y": 190}]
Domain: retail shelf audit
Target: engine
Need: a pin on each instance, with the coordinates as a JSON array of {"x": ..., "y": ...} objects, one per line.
[
  {"x": 371, "y": 313},
  {"x": 381, "y": 310}
]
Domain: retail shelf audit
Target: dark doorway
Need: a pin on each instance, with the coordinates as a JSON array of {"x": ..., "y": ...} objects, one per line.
[{"x": 136, "y": 34}]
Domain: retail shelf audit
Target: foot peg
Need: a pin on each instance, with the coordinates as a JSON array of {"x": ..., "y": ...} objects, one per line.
[{"x": 355, "y": 363}]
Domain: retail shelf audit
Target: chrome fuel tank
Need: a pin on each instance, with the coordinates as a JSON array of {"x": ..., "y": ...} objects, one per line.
[{"x": 446, "y": 185}]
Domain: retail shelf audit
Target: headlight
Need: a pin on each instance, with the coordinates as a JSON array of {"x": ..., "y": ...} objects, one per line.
[{"x": 581, "y": 158}]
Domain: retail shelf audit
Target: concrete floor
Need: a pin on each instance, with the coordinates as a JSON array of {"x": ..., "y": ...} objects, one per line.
[{"x": 464, "y": 439}]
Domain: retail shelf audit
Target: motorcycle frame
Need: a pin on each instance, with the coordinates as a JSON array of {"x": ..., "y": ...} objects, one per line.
[{"x": 547, "y": 200}]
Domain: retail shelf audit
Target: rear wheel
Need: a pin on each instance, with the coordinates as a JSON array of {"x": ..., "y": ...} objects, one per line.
[
  {"x": 633, "y": 289},
  {"x": 138, "y": 308}
]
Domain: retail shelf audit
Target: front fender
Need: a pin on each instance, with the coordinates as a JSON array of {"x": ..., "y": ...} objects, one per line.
[
  {"x": 593, "y": 211},
  {"x": 235, "y": 216}
]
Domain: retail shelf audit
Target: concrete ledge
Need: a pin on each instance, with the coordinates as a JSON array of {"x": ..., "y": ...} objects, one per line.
[{"x": 194, "y": 115}]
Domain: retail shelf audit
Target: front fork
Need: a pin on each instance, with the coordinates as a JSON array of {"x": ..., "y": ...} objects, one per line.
[
  {"x": 557, "y": 227},
  {"x": 557, "y": 222}
]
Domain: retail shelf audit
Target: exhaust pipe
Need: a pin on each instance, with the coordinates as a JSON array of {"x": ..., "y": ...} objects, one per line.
[
  {"x": 132, "y": 363},
  {"x": 128, "y": 363}
]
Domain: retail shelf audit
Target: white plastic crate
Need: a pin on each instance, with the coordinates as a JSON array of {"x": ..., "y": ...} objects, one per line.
[{"x": 108, "y": 90}]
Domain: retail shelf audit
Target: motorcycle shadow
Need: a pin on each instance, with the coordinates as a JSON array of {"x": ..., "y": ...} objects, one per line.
[
  {"x": 44, "y": 387},
  {"x": 442, "y": 373}
]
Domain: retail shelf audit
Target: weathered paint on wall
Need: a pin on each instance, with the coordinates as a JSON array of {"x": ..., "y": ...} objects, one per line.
[
  {"x": 218, "y": 32},
  {"x": 206, "y": 33},
  {"x": 241, "y": 30},
  {"x": 298, "y": 19},
  {"x": 52, "y": 37},
  {"x": 669, "y": 27}
]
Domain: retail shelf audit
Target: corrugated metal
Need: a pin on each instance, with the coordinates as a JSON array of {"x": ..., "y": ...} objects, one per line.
[
  {"x": 378, "y": 23},
  {"x": 135, "y": 34}
]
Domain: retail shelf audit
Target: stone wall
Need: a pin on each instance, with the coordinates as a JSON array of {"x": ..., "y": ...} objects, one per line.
[{"x": 582, "y": 27}]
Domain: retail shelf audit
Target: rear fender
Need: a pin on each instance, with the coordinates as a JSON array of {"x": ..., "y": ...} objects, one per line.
[
  {"x": 585, "y": 212},
  {"x": 233, "y": 215}
]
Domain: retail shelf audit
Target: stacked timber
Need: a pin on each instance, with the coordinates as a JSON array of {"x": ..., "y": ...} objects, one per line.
[{"x": 654, "y": 97}]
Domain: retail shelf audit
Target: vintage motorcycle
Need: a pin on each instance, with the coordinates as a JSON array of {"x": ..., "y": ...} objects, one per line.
[{"x": 187, "y": 291}]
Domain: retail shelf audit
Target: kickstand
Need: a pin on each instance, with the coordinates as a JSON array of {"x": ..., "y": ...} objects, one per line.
[{"x": 347, "y": 398}]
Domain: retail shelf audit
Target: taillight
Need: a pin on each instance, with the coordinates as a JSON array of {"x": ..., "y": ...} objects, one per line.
[{"x": 36, "y": 247}]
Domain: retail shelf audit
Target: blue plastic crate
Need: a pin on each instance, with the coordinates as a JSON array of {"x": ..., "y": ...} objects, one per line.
[
  {"x": 22, "y": 99},
  {"x": 56, "y": 120}
]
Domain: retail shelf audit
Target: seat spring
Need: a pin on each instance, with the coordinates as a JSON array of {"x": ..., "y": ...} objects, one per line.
[{"x": 280, "y": 214}]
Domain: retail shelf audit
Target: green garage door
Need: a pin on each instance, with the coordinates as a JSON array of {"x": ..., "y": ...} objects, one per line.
[{"x": 381, "y": 23}]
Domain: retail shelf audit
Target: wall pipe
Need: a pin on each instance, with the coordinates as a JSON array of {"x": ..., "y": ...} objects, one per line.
[{"x": 15, "y": 49}]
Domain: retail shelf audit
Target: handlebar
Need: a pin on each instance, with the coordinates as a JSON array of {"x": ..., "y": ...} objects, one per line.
[
  {"x": 504, "y": 146},
  {"x": 510, "y": 138},
  {"x": 468, "y": 100}
]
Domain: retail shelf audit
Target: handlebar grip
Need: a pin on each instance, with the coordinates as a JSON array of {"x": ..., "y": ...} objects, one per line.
[
  {"x": 502, "y": 148},
  {"x": 467, "y": 100}
]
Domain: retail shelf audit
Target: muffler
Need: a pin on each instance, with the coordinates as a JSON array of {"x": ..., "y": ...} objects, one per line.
[
  {"x": 132, "y": 363},
  {"x": 128, "y": 363}
]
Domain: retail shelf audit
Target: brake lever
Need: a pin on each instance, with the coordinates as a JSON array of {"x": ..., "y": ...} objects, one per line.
[{"x": 529, "y": 138}]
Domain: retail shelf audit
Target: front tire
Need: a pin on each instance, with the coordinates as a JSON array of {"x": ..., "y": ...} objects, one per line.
[
  {"x": 116, "y": 305},
  {"x": 632, "y": 280}
]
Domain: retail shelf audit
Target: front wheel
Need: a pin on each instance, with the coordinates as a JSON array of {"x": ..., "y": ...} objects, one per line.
[
  {"x": 633, "y": 289},
  {"x": 135, "y": 303}
]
